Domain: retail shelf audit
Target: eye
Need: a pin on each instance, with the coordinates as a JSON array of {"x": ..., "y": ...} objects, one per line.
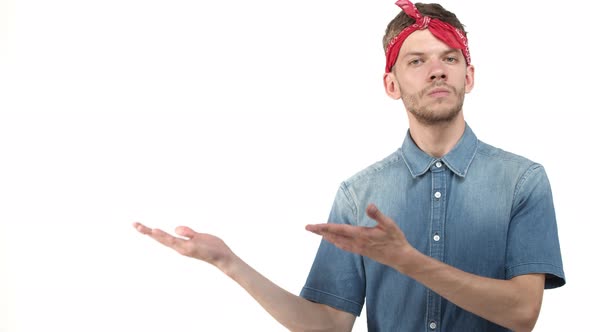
[
  {"x": 415, "y": 62},
  {"x": 451, "y": 59}
]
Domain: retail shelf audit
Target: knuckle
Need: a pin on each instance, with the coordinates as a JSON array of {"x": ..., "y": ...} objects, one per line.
[
  {"x": 363, "y": 247},
  {"x": 183, "y": 251}
]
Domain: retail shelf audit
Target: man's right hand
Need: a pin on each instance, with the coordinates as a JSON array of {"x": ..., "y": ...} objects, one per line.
[
  {"x": 205, "y": 247},
  {"x": 292, "y": 311}
]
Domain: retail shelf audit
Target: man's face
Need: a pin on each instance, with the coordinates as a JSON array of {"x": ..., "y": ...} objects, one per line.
[{"x": 431, "y": 78}]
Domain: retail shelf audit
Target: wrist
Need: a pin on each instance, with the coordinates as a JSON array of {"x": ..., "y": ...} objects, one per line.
[
  {"x": 229, "y": 264},
  {"x": 411, "y": 261}
]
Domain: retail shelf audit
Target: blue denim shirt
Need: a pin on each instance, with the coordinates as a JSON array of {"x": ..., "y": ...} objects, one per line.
[{"x": 480, "y": 209}]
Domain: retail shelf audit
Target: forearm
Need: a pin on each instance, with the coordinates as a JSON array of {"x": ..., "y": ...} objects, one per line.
[
  {"x": 292, "y": 311},
  {"x": 501, "y": 301}
]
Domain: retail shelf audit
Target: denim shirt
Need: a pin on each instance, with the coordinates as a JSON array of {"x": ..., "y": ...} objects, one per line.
[{"x": 478, "y": 208}]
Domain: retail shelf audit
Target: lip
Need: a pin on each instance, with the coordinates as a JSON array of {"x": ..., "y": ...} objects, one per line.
[{"x": 438, "y": 92}]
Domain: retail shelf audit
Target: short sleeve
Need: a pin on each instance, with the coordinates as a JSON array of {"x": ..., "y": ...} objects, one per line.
[
  {"x": 337, "y": 277},
  {"x": 533, "y": 242}
]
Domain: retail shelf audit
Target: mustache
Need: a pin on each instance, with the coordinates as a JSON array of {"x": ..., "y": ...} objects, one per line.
[{"x": 437, "y": 85}]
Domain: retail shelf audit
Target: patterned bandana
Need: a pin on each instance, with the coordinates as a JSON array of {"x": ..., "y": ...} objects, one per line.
[{"x": 441, "y": 30}]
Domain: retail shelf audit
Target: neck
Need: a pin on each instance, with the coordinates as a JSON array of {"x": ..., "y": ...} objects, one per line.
[{"x": 438, "y": 139}]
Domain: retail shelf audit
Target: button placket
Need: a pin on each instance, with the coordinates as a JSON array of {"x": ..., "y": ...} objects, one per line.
[{"x": 438, "y": 211}]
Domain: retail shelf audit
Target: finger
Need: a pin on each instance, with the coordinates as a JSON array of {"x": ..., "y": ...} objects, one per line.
[
  {"x": 142, "y": 229},
  {"x": 345, "y": 237},
  {"x": 343, "y": 242},
  {"x": 312, "y": 228},
  {"x": 185, "y": 231},
  {"x": 347, "y": 231},
  {"x": 167, "y": 239},
  {"x": 374, "y": 213}
]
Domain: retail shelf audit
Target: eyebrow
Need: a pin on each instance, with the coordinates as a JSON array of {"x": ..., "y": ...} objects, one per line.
[{"x": 447, "y": 52}]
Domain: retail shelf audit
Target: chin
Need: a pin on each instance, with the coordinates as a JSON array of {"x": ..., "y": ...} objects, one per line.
[{"x": 434, "y": 116}]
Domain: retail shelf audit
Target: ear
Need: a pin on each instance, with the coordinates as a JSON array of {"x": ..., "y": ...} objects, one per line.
[
  {"x": 391, "y": 85},
  {"x": 469, "y": 78}
]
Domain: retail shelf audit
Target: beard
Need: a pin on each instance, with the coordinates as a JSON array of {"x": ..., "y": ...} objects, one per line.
[{"x": 436, "y": 112}]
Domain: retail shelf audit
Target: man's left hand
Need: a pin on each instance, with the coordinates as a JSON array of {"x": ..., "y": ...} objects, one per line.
[{"x": 385, "y": 242}]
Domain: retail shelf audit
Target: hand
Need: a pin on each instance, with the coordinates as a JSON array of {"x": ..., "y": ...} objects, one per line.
[
  {"x": 385, "y": 242},
  {"x": 205, "y": 247}
]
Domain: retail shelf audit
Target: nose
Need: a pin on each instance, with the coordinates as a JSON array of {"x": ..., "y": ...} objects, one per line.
[
  {"x": 435, "y": 77},
  {"x": 438, "y": 72}
]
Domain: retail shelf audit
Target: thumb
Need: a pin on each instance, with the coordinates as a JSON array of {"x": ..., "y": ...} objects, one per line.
[
  {"x": 374, "y": 213},
  {"x": 185, "y": 231}
]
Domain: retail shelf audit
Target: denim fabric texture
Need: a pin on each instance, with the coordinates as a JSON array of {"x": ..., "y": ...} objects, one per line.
[{"x": 478, "y": 208}]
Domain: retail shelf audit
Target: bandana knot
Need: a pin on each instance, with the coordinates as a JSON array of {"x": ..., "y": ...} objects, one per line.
[{"x": 423, "y": 22}]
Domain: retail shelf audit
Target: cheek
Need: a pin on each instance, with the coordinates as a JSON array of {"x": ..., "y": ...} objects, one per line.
[
  {"x": 414, "y": 80},
  {"x": 409, "y": 87}
]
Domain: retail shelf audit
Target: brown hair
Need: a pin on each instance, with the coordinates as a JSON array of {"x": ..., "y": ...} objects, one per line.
[{"x": 434, "y": 10}]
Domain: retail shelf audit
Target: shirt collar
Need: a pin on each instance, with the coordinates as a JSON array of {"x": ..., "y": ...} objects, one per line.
[{"x": 457, "y": 160}]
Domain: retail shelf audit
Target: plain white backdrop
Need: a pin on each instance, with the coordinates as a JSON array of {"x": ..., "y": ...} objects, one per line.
[{"x": 240, "y": 119}]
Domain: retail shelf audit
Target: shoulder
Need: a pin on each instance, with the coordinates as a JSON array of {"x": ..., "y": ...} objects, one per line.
[
  {"x": 507, "y": 168},
  {"x": 377, "y": 170},
  {"x": 507, "y": 160}
]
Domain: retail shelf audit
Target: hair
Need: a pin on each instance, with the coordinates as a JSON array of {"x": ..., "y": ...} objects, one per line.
[{"x": 434, "y": 10}]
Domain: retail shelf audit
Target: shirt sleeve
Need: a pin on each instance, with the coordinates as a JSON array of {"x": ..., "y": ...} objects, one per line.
[
  {"x": 337, "y": 277},
  {"x": 533, "y": 243}
]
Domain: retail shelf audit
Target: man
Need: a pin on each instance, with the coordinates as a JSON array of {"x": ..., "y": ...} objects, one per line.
[{"x": 466, "y": 239}]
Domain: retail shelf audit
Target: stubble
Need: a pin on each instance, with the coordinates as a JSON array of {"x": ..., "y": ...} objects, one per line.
[{"x": 433, "y": 113}]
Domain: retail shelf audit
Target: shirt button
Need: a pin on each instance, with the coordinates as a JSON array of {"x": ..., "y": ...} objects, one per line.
[
  {"x": 437, "y": 195},
  {"x": 436, "y": 237},
  {"x": 438, "y": 164},
  {"x": 432, "y": 325}
]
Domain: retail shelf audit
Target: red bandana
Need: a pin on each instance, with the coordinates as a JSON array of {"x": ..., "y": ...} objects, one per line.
[{"x": 441, "y": 30}]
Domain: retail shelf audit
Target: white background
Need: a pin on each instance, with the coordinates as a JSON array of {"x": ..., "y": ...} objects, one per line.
[{"x": 239, "y": 118}]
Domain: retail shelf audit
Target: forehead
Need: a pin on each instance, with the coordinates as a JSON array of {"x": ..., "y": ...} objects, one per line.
[{"x": 423, "y": 41}]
